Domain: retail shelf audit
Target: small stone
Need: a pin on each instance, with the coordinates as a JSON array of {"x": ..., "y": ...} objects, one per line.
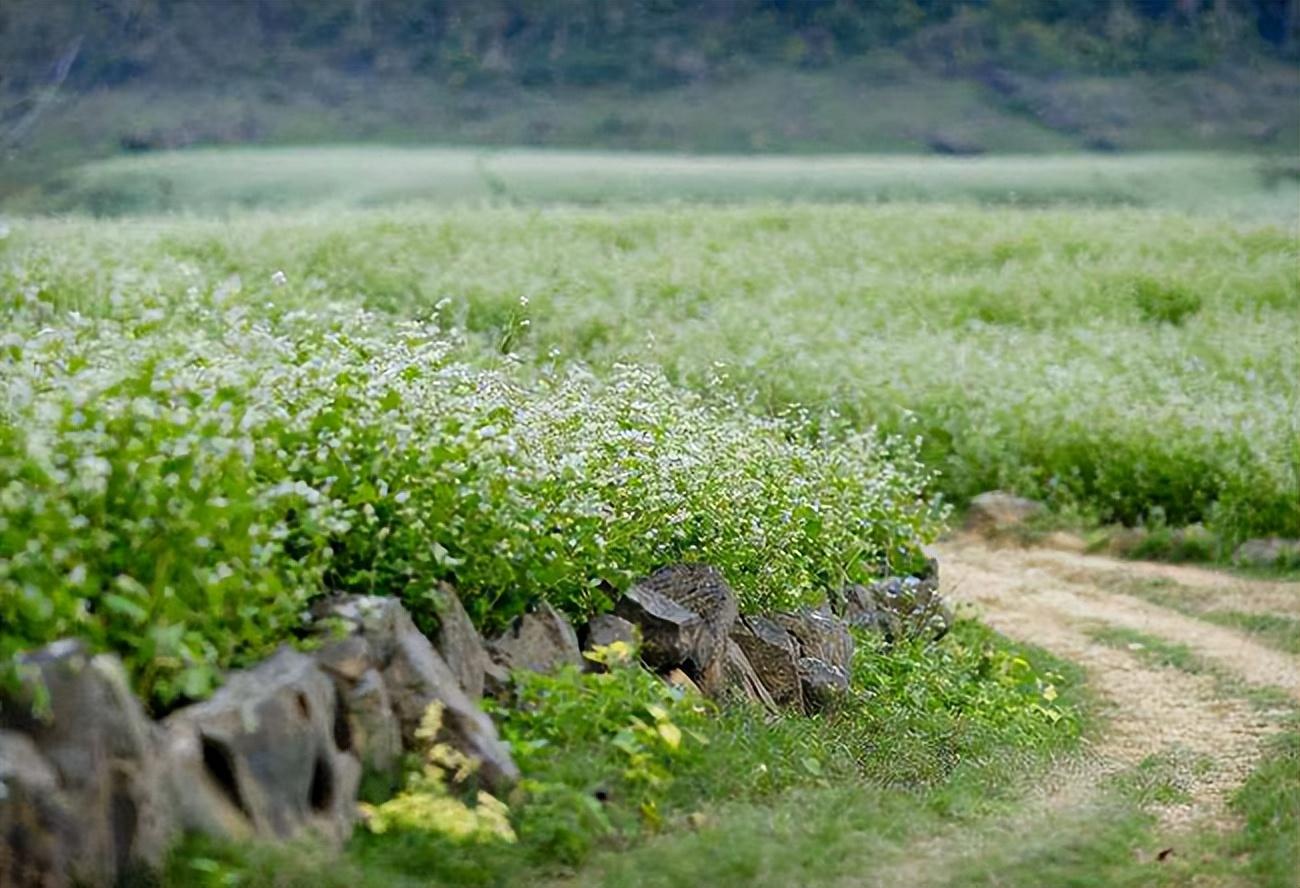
[
  {"x": 541, "y": 641},
  {"x": 823, "y": 684}
]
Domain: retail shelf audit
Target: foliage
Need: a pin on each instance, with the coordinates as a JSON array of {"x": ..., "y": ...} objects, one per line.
[
  {"x": 639, "y": 42},
  {"x": 634, "y": 732},
  {"x": 602, "y": 770},
  {"x": 1013, "y": 343},
  {"x": 427, "y": 804},
  {"x": 177, "y": 482}
]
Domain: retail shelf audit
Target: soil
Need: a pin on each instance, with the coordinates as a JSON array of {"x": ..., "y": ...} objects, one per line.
[{"x": 1202, "y": 722}]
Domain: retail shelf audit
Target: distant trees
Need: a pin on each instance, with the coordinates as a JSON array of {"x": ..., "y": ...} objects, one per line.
[{"x": 641, "y": 43}]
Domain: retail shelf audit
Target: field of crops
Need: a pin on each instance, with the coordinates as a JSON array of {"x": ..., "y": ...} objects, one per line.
[
  {"x": 370, "y": 370},
  {"x": 221, "y": 418}
]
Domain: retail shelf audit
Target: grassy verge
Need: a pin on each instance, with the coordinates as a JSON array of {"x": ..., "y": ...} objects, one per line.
[{"x": 940, "y": 735}]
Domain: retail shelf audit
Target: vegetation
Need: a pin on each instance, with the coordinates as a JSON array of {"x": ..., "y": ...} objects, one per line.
[
  {"x": 1124, "y": 365},
  {"x": 645, "y": 43},
  {"x": 179, "y": 481},
  {"x": 224, "y": 181},
  {"x": 611, "y": 759}
]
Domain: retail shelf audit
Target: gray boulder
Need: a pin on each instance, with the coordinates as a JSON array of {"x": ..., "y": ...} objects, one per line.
[
  {"x": 365, "y": 707},
  {"x": 897, "y": 608},
  {"x": 459, "y": 644},
  {"x": 603, "y": 630},
  {"x": 99, "y": 749},
  {"x": 540, "y": 641},
  {"x": 697, "y": 589},
  {"x": 819, "y": 633},
  {"x": 823, "y": 684},
  {"x": 741, "y": 682},
  {"x": 773, "y": 654},
  {"x": 415, "y": 676},
  {"x": 268, "y": 755},
  {"x": 606, "y": 629},
  {"x": 998, "y": 511},
  {"x": 671, "y": 635},
  {"x": 39, "y": 837}
]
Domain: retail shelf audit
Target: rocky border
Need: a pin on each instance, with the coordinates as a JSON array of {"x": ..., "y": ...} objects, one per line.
[{"x": 92, "y": 790}]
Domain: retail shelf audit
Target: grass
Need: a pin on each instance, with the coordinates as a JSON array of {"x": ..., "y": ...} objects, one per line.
[
  {"x": 1151, "y": 648},
  {"x": 1278, "y": 631},
  {"x": 1126, "y": 365},
  {"x": 884, "y": 102},
  {"x": 763, "y": 801},
  {"x": 223, "y": 180},
  {"x": 1274, "y": 630}
]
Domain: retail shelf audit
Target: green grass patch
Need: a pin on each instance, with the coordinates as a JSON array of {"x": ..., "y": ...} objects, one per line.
[
  {"x": 239, "y": 179},
  {"x": 939, "y": 733},
  {"x": 1150, "y": 648},
  {"x": 1274, "y": 630}
]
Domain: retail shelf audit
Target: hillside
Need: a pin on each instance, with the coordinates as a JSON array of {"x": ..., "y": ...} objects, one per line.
[{"x": 83, "y": 81}]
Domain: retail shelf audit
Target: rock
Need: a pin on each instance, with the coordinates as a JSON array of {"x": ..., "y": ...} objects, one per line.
[
  {"x": 671, "y": 635},
  {"x": 268, "y": 755},
  {"x": 823, "y": 684},
  {"x": 39, "y": 836},
  {"x": 857, "y": 605},
  {"x": 1268, "y": 552},
  {"x": 602, "y": 631},
  {"x": 820, "y": 634},
  {"x": 699, "y": 648},
  {"x": 459, "y": 644},
  {"x": 742, "y": 682},
  {"x": 997, "y": 511},
  {"x": 679, "y": 679},
  {"x": 100, "y": 751},
  {"x": 415, "y": 676},
  {"x": 773, "y": 654},
  {"x": 897, "y": 607},
  {"x": 541, "y": 641},
  {"x": 606, "y": 629},
  {"x": 367, "y": 710}
]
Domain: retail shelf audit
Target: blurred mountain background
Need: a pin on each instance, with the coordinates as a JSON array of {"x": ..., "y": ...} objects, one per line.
[{"x": 85, "y": 79}]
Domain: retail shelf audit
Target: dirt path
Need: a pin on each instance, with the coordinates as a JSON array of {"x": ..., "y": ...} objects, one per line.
[{"x": 1058, "y": 600}]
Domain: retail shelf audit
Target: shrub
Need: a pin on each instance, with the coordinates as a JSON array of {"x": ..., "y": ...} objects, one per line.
[{"x": 180, "y": 491}]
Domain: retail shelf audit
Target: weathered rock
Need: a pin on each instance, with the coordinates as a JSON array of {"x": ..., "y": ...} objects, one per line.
[
  {"x": 742, "y": 682},
  {"x": 415, "y": 676},
  {"x": 365, "y": 707},
  {"x": 897, "y": 607},
  {"x": 1268, "y": 552},
  {"x": 857, "y": 605},
  {"x": 823, "y": 684},
  {"x": 38, "y": 835},
  {"x": 607, "y": 629},
  {"x": 998, "y": 511},
  {"x": 697, "y": 589},
  {"x": 602, "y": 631},
  {"x": 540, "y": 641},
  {"x": 268, "y": 754},
  {"x": 459, "y": 644},
  {"x": 773, "y": 654},
  {"x": 820, "y": 634},
  {"x": 671, "y": 635},
  {"x": 99, "y": 747}
]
